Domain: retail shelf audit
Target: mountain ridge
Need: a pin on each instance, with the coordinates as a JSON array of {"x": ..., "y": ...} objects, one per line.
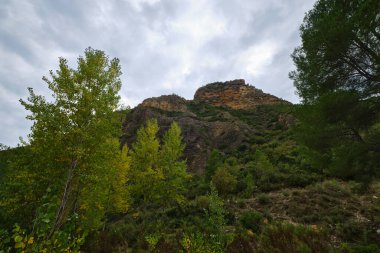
[{"x": 223, "y": 115}]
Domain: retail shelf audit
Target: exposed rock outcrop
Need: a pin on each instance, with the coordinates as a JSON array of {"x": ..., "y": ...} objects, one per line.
[
  {"x": 235, "y": 94},
  {"x": 170, "y": 103}
]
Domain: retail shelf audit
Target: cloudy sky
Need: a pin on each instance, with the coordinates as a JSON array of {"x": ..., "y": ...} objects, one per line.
[{"x": 164, "y": 46}]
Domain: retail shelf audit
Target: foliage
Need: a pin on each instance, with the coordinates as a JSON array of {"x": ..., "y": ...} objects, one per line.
[
  {"x": 224, "y": 181},
  {"x": 263, "y": 198},
  {"x": 21, "y": 241},
  {"x": 340, "y": 49},
  {"x": 197, "y": 243},
  {"x": 252, "y": 221},
  {"x": 250, "y": 185},
  {"x": 338, "y": 79},
  {"x": 158, "y": 174},
  {"x": 152, "y": 240},
  {"x": 216, "y": 212},
  {"x": 343, "y": 134},
  {"x": 214, "y": 161},
  {"x": 174, "y": 166},
  {"x": 68, "y": 239},
  {"x": 354, "y": 248},
  {"x": 73, "y": 147},
  {"x": 288, "y": 238},
  {"x": 17, "y": 188}
]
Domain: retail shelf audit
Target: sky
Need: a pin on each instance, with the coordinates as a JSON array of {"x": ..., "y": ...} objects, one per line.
[{"x": 164, "y": 46}]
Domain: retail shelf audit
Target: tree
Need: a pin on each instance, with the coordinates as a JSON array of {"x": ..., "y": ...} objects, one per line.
[
  {"x": 338, "y": 78},
  {"x": 213, "y": 163},
  {"x": 157, "y": 173},
  {"x": 73, "y": 148},
  {"x": 340, "y": 49},
  {"x": 145, "y": 174},
  {"x": 174, "y": 167}
]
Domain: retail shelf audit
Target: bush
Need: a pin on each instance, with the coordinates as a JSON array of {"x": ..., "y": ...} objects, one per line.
[
  {"x": 199, "y": 243},
  {"x": 350, "y": 248},
  {"x": 202, "y": 202},
  {"x": 263, "y": 199},
  {"x": 224, "y": 181},
  {"x": 252, "y": 221},
  {"x": 243, "y": 244},
  {"x": 351, "y": 231},
  {"x": 289, "y": 238}
]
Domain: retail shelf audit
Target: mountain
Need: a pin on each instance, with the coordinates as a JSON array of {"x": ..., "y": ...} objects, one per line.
[{"x": 227, "y": 116}]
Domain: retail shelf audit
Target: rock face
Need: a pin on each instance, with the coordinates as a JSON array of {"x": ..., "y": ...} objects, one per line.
[
  {"x": 211, "y": 119},
  {"x": 170, "y": 103},
  {"x": 199, "y": 134},
  {"x": 235, "y": 94}
]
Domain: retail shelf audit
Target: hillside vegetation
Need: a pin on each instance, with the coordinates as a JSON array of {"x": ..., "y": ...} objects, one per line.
[{"x": 234, "y": 170}]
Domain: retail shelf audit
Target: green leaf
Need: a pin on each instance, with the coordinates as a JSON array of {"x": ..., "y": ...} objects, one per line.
[{"x": 18, "y": 238}]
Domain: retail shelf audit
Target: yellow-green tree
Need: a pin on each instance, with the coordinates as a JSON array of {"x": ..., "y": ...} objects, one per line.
[
  {"x": 73, "y": 147},
  {"x": 157, "y": 172},
  {"x": 173, "y": 166}
]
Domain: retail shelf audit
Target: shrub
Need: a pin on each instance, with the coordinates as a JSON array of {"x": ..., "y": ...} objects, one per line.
[
  {"x": 202, "y": 202},
  {"x": 200, "y": 243},
  {"x": 224, "y": 181},
  {"x": 252, "y": 221},
  {"x": 351, "y": 231},
  {"x": 243, "y": 244},
  {"x": 215, "y": 160},
  {"x": 289, "y": 238},
  {"x": 263, "y": 199},
  {"x": 350, "y": 248}
]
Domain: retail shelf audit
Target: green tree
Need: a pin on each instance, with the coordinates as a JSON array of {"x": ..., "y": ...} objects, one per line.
[
  {"x": 216, "y": 217},
  {"x": 213, "y": 163},
  {"x": 340, "y": 49},
  {"x": 73, "y": 147},
  {"x": 145, "y": 174},
  {"x": 338, "y": 78},
  {"x": 174, "y": 167},
  {"x": 157, "y": 172}
]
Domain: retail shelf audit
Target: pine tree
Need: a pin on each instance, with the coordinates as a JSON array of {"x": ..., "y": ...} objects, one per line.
[{"x": 338, "y": 78}]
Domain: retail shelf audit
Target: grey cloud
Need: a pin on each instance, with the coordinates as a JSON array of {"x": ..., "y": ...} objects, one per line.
[{"x": 164, "y": 46}]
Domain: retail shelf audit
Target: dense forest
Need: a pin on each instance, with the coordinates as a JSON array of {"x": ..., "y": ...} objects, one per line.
[{"x": 94, "y": 176}]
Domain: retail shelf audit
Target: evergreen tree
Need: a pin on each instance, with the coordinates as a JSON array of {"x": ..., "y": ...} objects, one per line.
[{"x": 338, "y": 78}]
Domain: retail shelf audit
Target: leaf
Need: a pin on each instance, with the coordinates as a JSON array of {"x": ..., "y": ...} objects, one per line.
[
  {"x": 18, "y": 238},
  {"x": 46, "y": 220},
  {"x": 31, "y": 240},
  {"x": 19, "y": 245}
]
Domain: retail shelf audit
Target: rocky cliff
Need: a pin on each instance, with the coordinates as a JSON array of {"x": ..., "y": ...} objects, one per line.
[
  {"x": 235, "y": 94},
  {"x": 170, "y": 103},
  {"x": 227, "y": 116}
]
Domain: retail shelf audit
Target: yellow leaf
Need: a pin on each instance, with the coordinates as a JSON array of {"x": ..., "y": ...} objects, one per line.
[{"x": 31, "y": 240}]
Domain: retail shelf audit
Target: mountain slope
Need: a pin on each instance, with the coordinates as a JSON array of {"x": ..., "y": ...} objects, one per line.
[{"x": 226, "y": 116}]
